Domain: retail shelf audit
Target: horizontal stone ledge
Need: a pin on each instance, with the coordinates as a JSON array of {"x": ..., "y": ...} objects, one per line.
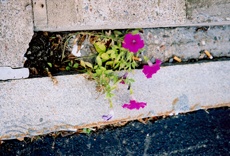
[
  {"x": 58, "y": 15},
  {"x": 133, "y": 26},
  {"x": 36, "y": 106}
]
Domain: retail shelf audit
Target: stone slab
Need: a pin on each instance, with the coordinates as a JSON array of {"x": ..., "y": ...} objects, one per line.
[
  {"x": 118, "y": 14},
  {"x": 16, "y": 30},
  {"x": 187, "y": 42},
  {"x": 36, "y": 106}
]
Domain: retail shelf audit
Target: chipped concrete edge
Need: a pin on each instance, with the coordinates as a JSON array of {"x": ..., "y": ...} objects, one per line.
[{"x": 173, "y": 90}]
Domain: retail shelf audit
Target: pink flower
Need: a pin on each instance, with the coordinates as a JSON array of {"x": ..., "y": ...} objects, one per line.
[
  {"x": 151, "y": 69},
  {"x": 133, "y": 42},
  {"x": 133, "y": 104}
]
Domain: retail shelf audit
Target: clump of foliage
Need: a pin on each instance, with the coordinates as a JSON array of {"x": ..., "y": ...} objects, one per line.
[{"x": 102, "y": 54}]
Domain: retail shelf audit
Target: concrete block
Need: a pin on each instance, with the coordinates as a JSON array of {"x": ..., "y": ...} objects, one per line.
[
  {"x": 187, "y": 42},
  {"x": 16, "y": 30},
  {"x": 70, "y": 15},
  {"x": 35, "y": 106},
  {"x": 105, "y": 14},
  {"x": 208, "y": 11}
]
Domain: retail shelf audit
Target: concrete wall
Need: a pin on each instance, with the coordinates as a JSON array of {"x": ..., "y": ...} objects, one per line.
[
  {"x": 106, "y": 14},
  {"x": 16, "y": 30}
]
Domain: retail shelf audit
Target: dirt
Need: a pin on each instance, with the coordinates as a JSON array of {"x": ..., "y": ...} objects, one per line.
[{"x": 41, "y": 52}]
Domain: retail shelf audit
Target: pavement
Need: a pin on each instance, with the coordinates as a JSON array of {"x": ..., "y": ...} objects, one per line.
[{"x": 198, "y": 133}]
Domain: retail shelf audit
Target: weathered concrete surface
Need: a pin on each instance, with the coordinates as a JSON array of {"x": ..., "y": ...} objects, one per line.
[
  {"x": 208, "y": 11},
  {"x": 198, "y": 133},
  {"x": 36, "y": 106},
  {"x": 61, "y": 15},
  {"x": 16, "y": 30},
  {"x": 187, "y": 42}
]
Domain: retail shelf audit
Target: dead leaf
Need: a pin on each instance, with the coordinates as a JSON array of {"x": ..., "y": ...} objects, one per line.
[{"x": 20, "y": 138}]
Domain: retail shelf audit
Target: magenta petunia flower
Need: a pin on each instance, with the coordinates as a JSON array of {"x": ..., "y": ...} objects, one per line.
[
  {"x": 151, "y": 69},
  {"x": 133, "y": 104},
  {"x": 133, "y": 42}
]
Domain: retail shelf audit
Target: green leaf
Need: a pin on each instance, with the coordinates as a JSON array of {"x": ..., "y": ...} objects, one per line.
[
  {"x": 70, "y": 63},
  {"x": 103, "y": 68},
  {"x": 117, "y": 65},
  {"x": 115, "y": 78},
  {"x": 115, "y": 47},
  {"x": 112, "y": 54},
  {"x": 129, "y": 56},
  {"x": 105, "y": 56},
  {"x": 117, "y": 33},
  {"x": 82, "y": 63},
  {"x": 89, "y": 65},
  {"x": 75, "y": 65},
  {"x": 95, "y": 67},
  {"x": 135, "y": 32},
  {"x": 67, "y": 68},
  {"x": 134, "y": 65},
  {"x": 109, "y": 63},
  {"x": 100, "y": 47},
  {"x": 49, "y": 64},
  {"x": 99, "y": 61},
  {"x": 86, "y": 130},
  {"x": 110, "y": 51},
  {"x": 108, "y": 71},
  {"x": 109, "y": 95},
  {"x": 99, "y": 72}
]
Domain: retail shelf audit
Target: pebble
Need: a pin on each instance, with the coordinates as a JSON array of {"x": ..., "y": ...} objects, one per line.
[
  {"x": 153, "y": 60},
  {"x": 202, "y": 55},
  {"x": 171, "y": 60},
  {"x": 203, "y": 42}
]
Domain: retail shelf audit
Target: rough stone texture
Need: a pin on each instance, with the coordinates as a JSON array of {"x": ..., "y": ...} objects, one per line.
[
  {"x": 65, "y": 15},
  {"x": 106, "y": 14},
  {"x": 36, "y": 106},
  {"x": 16, "y": 30},
  {"x": 187, "y": 42},
  {"x": 207, "y": 11}
]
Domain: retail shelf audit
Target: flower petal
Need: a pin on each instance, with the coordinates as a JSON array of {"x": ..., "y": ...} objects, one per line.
[
  {"x": 134, "y": 105},
  {"x": 150, "y": 70},
  {"x": 109, "y": 116},
  {"x": 133, "y": 42}
]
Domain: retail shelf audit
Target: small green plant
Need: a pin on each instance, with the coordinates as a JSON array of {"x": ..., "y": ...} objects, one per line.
[
  {"x": 72, "y": 65},
  {"x": 111, "y": 52},
  {"x": 86, "y": 130}
]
